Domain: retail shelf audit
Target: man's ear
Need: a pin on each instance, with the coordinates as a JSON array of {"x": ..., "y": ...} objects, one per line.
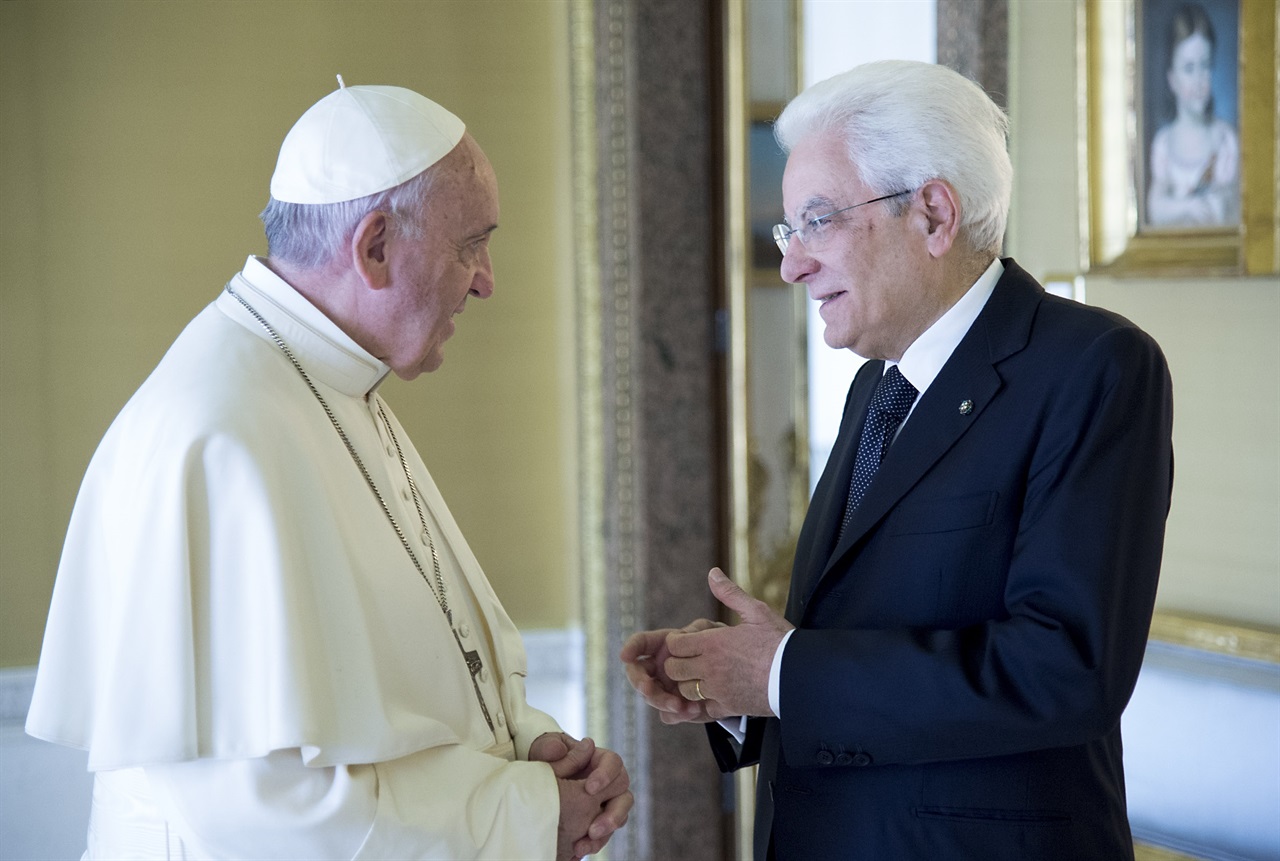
[
  {"x": 369, "y": 252},
  {"x": 942, "y": 209}
]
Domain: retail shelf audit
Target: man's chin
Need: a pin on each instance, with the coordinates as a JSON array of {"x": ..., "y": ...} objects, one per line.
[
  {"x": 836, "y": 340},
  {"x": 414, "y": 371}
]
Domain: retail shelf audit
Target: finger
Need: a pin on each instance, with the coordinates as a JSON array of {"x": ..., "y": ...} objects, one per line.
[
  {"x": 663, "y": 700},
  {"x": 642, "y": 643},
  {"x": 654, "y": 694},
  {"x": 613, "y": 816},
  {"x": 606, "y": 770},
  {"x": 700, "y": 625},
  {"x": 651, "y": 680},
  {"x": 690, "y": 669},
  {"x": 732, "y": 596},
  {"x": 619, "y": 785},
  {"x": 549, "y": 747},
  {"x": 691, "y": 713},
  {"x": 640, "y": 676},
  {"x": 695, "y": 691},
  {"x": 616, "y": 785},
  {"x": 586, "y": 847},
  {"x": 578, "y": 758},
  {"x": 680, "y": 670},
  {"x": 684, "y": 646}
]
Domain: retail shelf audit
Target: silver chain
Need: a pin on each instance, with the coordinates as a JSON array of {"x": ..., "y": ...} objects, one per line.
[{"x": 437, "y": 589}]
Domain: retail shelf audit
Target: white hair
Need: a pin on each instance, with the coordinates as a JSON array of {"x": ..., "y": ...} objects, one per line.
[
  {"x": 906, "y": 122},
  {"x": 311, "y": 235}
]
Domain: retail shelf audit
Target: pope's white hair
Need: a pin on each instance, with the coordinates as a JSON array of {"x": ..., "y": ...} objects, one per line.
[
  {"x": 312, "y": 235},
  {"x": 907, "y": 122}
]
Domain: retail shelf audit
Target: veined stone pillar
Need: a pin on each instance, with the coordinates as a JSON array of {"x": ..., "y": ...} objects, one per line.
[{"x": 648, "y": 246}]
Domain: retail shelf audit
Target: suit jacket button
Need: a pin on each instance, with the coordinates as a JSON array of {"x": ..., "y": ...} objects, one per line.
[
  {"x": 862, "y": 759},
  {"x": 843, "y": 759},
  {"x": 825, "y": 757}
]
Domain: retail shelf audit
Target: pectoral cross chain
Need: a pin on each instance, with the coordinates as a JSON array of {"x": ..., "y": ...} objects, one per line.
[{"x": 475, "y": 666}]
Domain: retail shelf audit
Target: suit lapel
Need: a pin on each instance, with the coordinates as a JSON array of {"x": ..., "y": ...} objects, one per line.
[
  {"x": 967, "y": 383},
  {"x": 822, "y": 523}
]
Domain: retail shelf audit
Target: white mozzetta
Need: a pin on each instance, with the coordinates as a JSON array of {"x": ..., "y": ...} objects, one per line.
[{"x": 230, "y": 586}]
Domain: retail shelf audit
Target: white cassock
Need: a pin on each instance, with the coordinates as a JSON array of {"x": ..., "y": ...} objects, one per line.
[{"x": 242, "y": 643}]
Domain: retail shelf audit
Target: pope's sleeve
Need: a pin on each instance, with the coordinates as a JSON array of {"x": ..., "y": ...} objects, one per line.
[
  {"x": 452, "y": 802},
  {"x": 447, "y": 802},
  {"x": 525, "y": 722}
]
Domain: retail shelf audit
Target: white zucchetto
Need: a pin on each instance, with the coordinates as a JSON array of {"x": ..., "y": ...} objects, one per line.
[{"x": 358, "y": 141}]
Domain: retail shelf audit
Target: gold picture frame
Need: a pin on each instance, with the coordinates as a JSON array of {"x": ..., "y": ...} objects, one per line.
[
  {"x": 1217, "y": 636},
  {"x": 1124, "y": 55}
]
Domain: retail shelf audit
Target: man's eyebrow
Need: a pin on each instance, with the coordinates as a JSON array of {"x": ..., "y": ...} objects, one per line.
[{"x": 818, "y": 202}]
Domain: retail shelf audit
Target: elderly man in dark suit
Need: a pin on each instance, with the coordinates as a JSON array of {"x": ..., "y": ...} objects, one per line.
[{"x": 974, "y": 582}]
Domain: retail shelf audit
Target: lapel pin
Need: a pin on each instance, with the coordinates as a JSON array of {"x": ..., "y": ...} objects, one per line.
[{"x": 966, "y": 407}]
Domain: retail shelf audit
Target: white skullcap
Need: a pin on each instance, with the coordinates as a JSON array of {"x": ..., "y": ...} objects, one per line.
[{"x": 358, "y": 141}]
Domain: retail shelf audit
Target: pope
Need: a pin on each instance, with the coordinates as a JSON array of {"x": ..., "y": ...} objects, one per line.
[{"x": 267, "y": 630}]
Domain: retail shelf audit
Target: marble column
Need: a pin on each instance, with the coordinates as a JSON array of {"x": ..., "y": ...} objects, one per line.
[
  {"x": 646, "y": 206},
  {"x": 973, "y": 39}
]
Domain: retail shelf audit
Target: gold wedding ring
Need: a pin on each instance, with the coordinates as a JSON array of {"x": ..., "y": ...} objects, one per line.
[{"x": 697, "y": 689}]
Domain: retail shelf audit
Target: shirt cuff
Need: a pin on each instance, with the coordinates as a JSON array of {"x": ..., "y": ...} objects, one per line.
[
  {"x": 736, "y": 727},
  {"x": 775, "y": 676}
]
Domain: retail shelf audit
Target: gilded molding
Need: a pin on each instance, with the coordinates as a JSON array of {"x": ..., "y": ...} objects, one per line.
[{"x": 1219, "y": 637}]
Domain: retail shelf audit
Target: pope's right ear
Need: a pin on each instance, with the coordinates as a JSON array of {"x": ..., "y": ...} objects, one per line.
[{"x": 369, "y": 250}]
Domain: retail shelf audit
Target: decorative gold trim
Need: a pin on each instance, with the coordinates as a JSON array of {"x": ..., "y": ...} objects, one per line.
[
  {"x": 736, "y": 250},
  {"x": 1114, "y": 244},
  {"x": 1214, "y": 635},
  {"x": 1150, "y": 852},
  {"x": 1260, "y": 137},
  {"x": 737, "y": 246}
]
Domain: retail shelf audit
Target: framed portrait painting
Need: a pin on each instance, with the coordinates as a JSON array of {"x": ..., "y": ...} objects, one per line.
[
  {"x": 1189, "y": 145},
  {"x": 1180, "y": 135}
]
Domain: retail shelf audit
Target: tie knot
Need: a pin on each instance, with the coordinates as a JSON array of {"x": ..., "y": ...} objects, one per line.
[{"x": 894, "y": 394}]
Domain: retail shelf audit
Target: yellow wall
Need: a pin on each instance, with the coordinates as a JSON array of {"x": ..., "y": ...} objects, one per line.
[
  {"x": 1222, "y": 550},
  {"x": 136, "y": 143}
]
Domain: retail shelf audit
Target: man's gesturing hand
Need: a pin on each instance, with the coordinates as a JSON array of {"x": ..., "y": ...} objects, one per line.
[
  {"x": 727, "y": 666},
  {"x": 645, "y": 655}
]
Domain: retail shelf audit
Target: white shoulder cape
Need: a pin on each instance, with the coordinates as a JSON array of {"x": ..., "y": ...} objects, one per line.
[{"x": 229, "y": 585}]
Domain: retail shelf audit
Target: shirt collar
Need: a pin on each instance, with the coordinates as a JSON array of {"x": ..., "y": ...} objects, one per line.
[
  {"x": 923, "y": 360},
  {"x": 326, "y": 353}
]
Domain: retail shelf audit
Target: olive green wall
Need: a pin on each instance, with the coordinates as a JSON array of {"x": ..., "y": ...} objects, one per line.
[
  {"x": 1222, "y": 550},
  {"x": 136, "y": 143}
]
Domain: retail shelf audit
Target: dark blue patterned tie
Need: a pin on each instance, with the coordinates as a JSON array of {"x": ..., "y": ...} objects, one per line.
[{"x": 890, "y": 404}]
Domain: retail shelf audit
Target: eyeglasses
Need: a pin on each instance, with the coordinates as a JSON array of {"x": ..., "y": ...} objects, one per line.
[{"x": 816, "y": 232}]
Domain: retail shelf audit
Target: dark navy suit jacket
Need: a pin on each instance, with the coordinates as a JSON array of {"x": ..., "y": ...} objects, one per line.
[{"x": 963, "y": 655}]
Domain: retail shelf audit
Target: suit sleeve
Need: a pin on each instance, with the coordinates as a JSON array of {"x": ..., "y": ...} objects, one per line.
[
  {"x": 729, "y": 753},
  {"x": 1058, "y": 662}
]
